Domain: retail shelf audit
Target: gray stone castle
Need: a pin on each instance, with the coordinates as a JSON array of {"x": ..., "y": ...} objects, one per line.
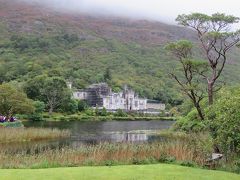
[{"x": 101, "y": 96}]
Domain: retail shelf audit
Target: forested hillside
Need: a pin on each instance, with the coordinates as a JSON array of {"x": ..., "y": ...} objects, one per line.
[{"x": 37, "y": 41}]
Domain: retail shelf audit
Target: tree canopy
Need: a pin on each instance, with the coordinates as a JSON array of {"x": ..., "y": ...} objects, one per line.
[
  {"x": 217, "y": 37},
  {"x": 55, "y": 92},
  {"x": 191, "y": 70},
  {"x": 13, "y": 101}
]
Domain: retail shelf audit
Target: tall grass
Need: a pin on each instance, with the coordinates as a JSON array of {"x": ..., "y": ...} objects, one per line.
[
  {"x": 105, "y": 154},
  {"x": 29, "y": 134}
]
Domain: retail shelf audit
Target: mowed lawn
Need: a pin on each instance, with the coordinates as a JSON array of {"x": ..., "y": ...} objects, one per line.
[{"x": 145, "y": 172}]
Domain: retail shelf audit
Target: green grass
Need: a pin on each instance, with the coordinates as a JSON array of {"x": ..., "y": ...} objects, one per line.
[{"x": 145, "y": 172}]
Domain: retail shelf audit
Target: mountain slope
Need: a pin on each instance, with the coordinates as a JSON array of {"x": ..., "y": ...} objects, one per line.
[{"x": 36, "y": 40}]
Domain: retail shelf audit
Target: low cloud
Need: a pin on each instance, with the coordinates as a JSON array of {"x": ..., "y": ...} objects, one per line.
[{"x": 165, "y": 11}]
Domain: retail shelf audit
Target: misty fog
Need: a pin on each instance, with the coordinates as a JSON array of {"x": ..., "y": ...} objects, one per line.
[{"x": 165, "y": 11}]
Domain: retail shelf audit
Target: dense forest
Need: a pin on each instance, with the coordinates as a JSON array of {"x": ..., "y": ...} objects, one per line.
[{"x": 79, "y": 49}]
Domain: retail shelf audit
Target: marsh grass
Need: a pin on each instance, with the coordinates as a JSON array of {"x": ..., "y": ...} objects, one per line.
[
  {"x": 8, "y": 135},
  {"x": 106, "y": 154}
]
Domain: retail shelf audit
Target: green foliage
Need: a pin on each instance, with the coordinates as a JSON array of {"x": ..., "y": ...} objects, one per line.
[
  {"x": 174, "y": 112},
  {"x": 26, "y": 43},
  {"x": 34, "y": 86},
  {"x": 39, "y": 106},
  {"x": 90, "y": 112},
  {"x": 120, "y": 113},
  {"x": 69, "y": 105},
  {"x": 108, "y": 75},
  {"x": 16, "y": 124},
  {"x": 76, "y": 53},
  {"x": 101, "y": 112},
  {"x": 82, "y": 105},
  {"x": 223, "y": 119},
  {"x": 181, "y": 48},
  {"x": 13, "y": 101},
  {"x": 56, "y": 93},
  {"x": 24, "y": 59},
  {"x": 192, "y": 73},
  {"x": 190, "y": 123},
  {"x": 38, "y": 114},
  {"x": 203, "y": 19},
  {"x": 217, "y": 37}
]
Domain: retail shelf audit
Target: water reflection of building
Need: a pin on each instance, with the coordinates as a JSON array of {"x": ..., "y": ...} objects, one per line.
[{"x": 129, "y": 137}]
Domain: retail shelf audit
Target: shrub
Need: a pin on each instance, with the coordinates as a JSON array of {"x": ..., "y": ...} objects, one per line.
[
  {"x": 89, "y": 112},
  {"x": 82, "y": 105},
  {"x": 120, "y": 113},
  {"x": 12, "y": 124},
  {"x": 224, "y": 120},
  {"x": 190, "y": 123},
  {"x": 35, "y": 117},
  {"x": 39, "y": 106}
]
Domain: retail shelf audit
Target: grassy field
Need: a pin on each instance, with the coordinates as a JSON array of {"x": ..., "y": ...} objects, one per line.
[{"x": 160, "y": 171}]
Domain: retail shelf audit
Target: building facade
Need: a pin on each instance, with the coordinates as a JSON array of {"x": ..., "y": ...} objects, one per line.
[{"x": 101, "y": 96}]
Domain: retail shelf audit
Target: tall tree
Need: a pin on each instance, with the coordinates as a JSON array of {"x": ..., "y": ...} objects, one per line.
[
  {"x": 13, "y": 101},
  {"x": 190, "y": 80},
  {"x": 216, "y": 38},
  {"x": 55, "y": 91}
]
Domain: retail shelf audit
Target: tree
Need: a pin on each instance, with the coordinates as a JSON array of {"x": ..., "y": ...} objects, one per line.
[
  {"x": 13, "y": 101},
  {"x": 223, "y": 119},
  {"x": 191, "y": 70},
  {"x": 55, "y": 91},
  {"x": 216, "y": 38},
  {"x": 33, "y": 87}
]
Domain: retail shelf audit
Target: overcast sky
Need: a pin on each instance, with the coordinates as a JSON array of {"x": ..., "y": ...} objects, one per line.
[{"x": 162, "y": 10}]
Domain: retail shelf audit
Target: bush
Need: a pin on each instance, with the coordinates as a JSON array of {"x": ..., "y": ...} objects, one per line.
[
  {"x": 35, "y": 117},
  {"x": 70, "y": 106},
  {"x": 224, "y": 121},
  {"x": 190, "y": 123},
  {"x": 82, "y": 105},
  {"x": 90, "y": 112},
  {"x": 120, "y": 113},
  {"x": 103, "y": 112},
  {"x": 39, "y": 109},
  {"x": 12, "y": 124},
  {"x": 39, "y": 106}
]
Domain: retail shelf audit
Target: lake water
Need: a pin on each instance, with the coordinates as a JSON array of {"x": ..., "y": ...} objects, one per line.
[{"x": 96, "y": 132}]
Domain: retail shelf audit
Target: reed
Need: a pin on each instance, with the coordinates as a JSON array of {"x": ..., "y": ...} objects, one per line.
[
  {"x": 8, "y": 135},
  {"x": 104, "y": 154}
]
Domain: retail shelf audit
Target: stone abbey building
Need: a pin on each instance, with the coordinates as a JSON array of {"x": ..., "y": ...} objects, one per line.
[{"x": 101, "y": 96}]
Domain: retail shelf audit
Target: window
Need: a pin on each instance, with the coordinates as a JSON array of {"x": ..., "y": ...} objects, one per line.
[{"x": 136, "y": 103}]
